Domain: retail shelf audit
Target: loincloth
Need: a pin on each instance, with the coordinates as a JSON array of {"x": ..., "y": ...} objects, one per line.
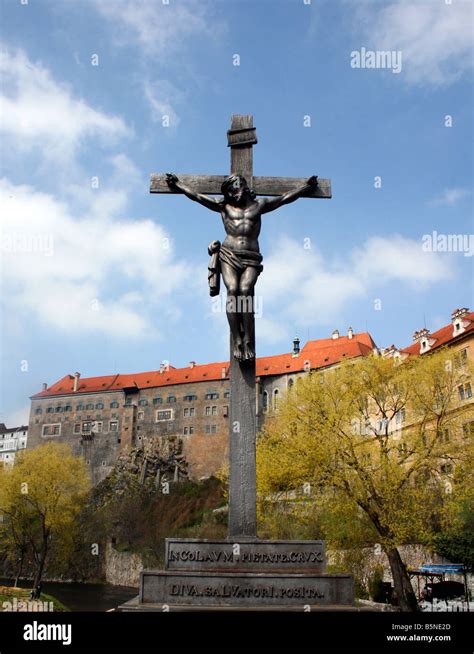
[{"x": 239, "y": 260}]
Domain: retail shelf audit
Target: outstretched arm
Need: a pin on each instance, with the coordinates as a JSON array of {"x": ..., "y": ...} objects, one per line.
[
  {"x": 205, "y": 200},
  {"x": 270, "y": 204}
]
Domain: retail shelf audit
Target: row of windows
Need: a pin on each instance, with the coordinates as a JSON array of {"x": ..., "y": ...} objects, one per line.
[
  {"x": 171, "y": 399},
  {"x": 465, "y": 391},
  {"x": 189, "y": 412},
  {"x": 96, "y": 426},
  {"x": 276, "y": 394}
]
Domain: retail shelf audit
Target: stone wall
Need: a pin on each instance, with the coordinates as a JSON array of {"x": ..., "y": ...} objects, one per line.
[
  {"x": 412, "y": 555},
  {"x": 122, "y": 568}
]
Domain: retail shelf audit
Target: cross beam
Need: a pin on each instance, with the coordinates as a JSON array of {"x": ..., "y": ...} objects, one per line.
[{"x": 211, "y": 185}]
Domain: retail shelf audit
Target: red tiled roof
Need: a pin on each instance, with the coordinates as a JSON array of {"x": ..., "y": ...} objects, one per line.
[
  {"x": 320, "y": 354},
  {"x": 441, "y": 337}
]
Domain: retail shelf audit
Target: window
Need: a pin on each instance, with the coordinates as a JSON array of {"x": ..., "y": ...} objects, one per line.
[
  {"x": 97, "y": 426},
  {"x": 190, "y": 398},
  {"x": 87, "y": 426},
  {"x": 59, "y": 409},
  {"x": 128, "y": 401},
  {"x": 68, "y": 407},
  {"x": 157, "y": 400},
  {"x": 444, "y": 435},
  {"x": 468, "y": 429},
  {"x": 400, "y": 416},
  {"x": 113, "y": 425},
  {"x": 164, "y": 415},
  {"x": 103, "y": 463},
  {"x": 291, "y": 383},
  {"x": 211, "y": 411},
  {"x": 171, "y": 399},
  {"x": 211, "y": 429},
  {"x": 89, "y": 405},
  {"x": 188, "y": 430},
  {"x": 143, "y": 402},
  {"x": 225, "y": 411},
  {"x": 189, "y": 412},
  {"x": 460, "y": 358},
  {"x": 38, "y": 410},
  {"x": 211, "y": 396},
  {"x": 99, "y": 405},
  {"x": 51, "y": 430},
  {"x": 265, "y": 400},
  {"x": 114, "y": 404},
  {"x": 77, "y": 428},
  {"x": 465, "y": 391},
  {"x": 381, "y": 426},
  {"x": 227, "y": 394},
  {"x": 141, "y": 415},
  {"x": 80, "y": 407},
  {"x": 275, "y": 398}
]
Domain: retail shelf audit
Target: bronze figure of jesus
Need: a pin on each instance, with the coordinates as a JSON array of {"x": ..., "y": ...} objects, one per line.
[{"x": 238, "y": 258}]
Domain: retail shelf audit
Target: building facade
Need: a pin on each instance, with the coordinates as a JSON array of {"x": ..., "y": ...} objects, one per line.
[
  {"x": 12, "y": 439},
  {"x": 185, "y": 408}
]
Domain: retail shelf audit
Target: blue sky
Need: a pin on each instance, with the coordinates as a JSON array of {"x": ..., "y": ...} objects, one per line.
[{"x": 101, "y": 277}]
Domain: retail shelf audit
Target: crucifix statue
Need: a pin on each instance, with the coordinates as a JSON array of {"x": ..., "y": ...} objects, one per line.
[
  {"x": 238, "y": 258},
  {"x": 239, "y": 261}
]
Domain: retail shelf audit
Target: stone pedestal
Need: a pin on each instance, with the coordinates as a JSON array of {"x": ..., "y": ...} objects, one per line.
[{"x": 248, "y": 574}]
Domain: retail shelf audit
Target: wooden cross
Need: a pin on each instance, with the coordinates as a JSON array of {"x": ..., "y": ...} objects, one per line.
[{"x": 242, "y": 429}]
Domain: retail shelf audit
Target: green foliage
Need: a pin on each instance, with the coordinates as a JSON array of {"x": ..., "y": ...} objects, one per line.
[
  {"x": 369, "y": 441},
  {"x": 376, "y": 585},
  {"x": 139, "y": 518},
  {"x": 40, "y": 499},
  {"x": 458, "y": 548}
]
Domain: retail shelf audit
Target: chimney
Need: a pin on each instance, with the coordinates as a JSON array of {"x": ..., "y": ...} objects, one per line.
[
  {"x": 296, "y": 346},
  {"x": 77, "y": 376},
  {"x": 457, "y": 319},
  {"x": 45, "y": 386},
  {"x": 223, "y": 372},
  {"x": 350, "y": 333},
  {"x": 335, "y": 334},
  {"x": 192, "y": 364}
]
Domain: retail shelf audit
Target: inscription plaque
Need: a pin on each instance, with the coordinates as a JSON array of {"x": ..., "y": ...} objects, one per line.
[
  {"x": 250, "y": 555},
  {"x": 245, "y": 589}
]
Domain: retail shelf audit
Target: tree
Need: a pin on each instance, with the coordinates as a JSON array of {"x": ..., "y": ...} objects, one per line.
[
  {"x": 40, "y": 499},
  {"x": 381, "y": 436}
]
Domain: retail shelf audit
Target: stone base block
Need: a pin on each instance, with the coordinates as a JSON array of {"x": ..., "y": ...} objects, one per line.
[
  {"x": 245, "y": 589},
  {"x": 245, "y": 555}
]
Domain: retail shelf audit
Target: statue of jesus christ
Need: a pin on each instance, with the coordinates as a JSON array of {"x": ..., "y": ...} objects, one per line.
[{"x": 238, "y": 258}]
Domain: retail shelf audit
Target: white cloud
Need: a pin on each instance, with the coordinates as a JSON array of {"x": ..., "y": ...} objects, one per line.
[
  {"x": 304, "y": 290},
  {"x": 451, "y": 196},
  {"x": 161, "y": 96},
  {"x": 159, "y": 28},
  {"x": 71, "y": 272},
  {"x": 38, "y": 112},
  {"x": 435, "y": 37}
]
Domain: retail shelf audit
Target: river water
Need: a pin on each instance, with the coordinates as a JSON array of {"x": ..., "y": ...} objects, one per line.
[{"x": 83, "y": 597}]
